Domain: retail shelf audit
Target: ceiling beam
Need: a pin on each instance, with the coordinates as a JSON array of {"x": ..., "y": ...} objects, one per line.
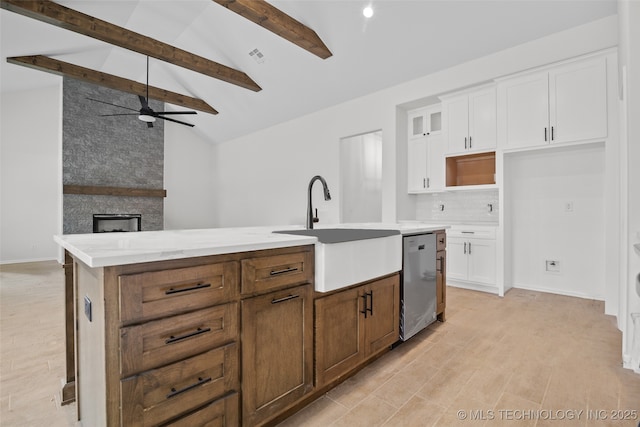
[
  {"x": 278, "y": 22},
  {"x": 72, "y": 20},
  {"x": 54, "y": 66}
]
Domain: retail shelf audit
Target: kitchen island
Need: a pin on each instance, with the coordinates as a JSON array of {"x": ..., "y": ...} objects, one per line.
[{"x": 188, "y": 326}]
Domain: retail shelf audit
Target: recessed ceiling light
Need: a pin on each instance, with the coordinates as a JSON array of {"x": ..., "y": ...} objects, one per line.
[{"x": 367, "y": 12}]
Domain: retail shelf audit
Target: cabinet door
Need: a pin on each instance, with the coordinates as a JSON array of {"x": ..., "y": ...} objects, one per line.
[
  {"x": 417, "y": 165},
  {"x": 339, "y": 341},
  {"x": 456, "y": 115},
  {"x": 435, "y": 162},
  {"x": 277, "y": 351},
  {"x": 457, "y": 258},
  {"x": 578, "y": 102},
  {"x": 382, "y": 323},
  {"x": 441, "y": 284},
  {"x": 482, "y": 261},
  {"x": 482, "y": 120},
  {"x": 417, "y": 123},
  {"x": 525, "y": 102}
]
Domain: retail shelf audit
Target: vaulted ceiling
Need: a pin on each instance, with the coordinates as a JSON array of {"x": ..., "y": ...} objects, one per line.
[{"x": 404, "y": 40}]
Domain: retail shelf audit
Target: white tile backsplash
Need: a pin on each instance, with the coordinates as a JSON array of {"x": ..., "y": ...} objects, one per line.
[{"x": 459, "y": 206}]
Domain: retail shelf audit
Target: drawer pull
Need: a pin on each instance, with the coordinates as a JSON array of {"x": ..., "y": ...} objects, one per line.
[
  {"x": 286, "y": 270},
  {"x": 276, "y": 301},
  {"x": 192, "y": 288},
  {"x": 175, "y": 392},
  {"x": 199, "y": 331}
]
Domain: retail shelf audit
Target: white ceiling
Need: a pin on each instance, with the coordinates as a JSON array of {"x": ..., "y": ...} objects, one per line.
[{"x": 404, "y": 40}]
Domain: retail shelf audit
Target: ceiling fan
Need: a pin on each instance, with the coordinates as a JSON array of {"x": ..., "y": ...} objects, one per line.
[{"x": 146, "y": 113}]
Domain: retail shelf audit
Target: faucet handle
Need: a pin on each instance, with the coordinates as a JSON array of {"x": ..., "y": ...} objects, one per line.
[{"x": 315, "y": 218}]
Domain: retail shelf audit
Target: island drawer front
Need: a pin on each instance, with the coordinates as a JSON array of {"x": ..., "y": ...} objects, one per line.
[
  {"x": 267, "y": 273},
  {"x": 441, "y": 241},
  {"x": 224, "y": 412},
  {"x": 151, "y": 295},
  {"x": 159, "y": 395},
  {"x": 163, "y": 341}
]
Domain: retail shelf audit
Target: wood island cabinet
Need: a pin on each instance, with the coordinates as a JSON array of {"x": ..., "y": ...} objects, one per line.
[
  {"x": 277, "y": 333},
  {"x": 355, "y": 324},
  {"x": 441, "y": 275},
  {"x": 159, "y": 343}
]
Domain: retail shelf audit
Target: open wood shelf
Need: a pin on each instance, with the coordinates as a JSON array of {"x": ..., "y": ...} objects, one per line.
[
  {"x": 113, "y": 191},
  {"x": 471, "y": 169}
]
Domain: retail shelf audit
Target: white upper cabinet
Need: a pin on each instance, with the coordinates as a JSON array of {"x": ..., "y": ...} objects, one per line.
[
  {"x": 425, "y": 164},
  {"x": 578, "y": 102},
  {"x": 425, "y": 121},
  {"x": 470, "y": 121},
  {"x": 563, "y": 104},
  {"x": 425, "y": 150}
]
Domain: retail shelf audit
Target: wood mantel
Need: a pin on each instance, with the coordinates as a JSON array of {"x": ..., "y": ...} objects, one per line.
[{"x": 113, "y": 191}]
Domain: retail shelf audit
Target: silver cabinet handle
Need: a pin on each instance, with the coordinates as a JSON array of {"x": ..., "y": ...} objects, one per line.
[
  {"x": 545, "y": 134},
  {"x": 469, "y": 141},
  {"x": 469, "y": 248},
  {"x": 465, "y": 142},
  {"x": 465, "y": 248}
]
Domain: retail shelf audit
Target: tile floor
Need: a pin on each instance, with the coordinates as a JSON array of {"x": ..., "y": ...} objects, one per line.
[{"x": 528, "y": 359}]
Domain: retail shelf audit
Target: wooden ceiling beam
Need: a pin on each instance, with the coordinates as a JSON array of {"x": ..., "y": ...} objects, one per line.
[
  {"x": 72, "y": 20},
  {"x": 54, "y": 66},
  {"x": 278, "y": 22}
]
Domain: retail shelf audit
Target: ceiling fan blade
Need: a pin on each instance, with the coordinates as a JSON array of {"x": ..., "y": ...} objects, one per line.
[
  {"x": 174, "y": 112},
  {"x": 108, "y": 103},
  {"x": 122, "y": 114},
  {"x": 175, "y": 121}
]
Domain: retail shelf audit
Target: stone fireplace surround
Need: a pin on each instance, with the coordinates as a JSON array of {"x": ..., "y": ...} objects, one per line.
[{"x": 118, "y": 151}]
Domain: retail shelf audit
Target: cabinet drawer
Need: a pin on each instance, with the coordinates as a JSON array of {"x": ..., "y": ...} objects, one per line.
[
  {"x": 474, "y": 232},
  {"x": 221, "y": 413},
  {"x": 271, "y": 272},
  {"x": 441, "y": 241},
  {"x": 151, "y": 295},
  {"x": 159, "y": 395},
  {"x": 160, "y": 342}
]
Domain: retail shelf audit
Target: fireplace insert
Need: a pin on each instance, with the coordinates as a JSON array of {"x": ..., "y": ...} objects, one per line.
[{"x": 107, "y": 223}]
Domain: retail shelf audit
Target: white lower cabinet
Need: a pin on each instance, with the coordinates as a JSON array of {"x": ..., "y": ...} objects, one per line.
[{"x": 471, "y": 256}]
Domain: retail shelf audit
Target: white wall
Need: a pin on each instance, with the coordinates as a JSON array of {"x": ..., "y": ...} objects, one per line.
[
  {"x": 189, "y": 179},
  {"x": 629, "y": 15},
  {"x": 30, "y": 174},
  {"x": 538, "y": 185},
  {"x": 263, "y": 176}
]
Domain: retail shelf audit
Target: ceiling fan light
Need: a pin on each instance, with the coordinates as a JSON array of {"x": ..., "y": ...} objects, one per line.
[{"x": 147, "y": 118}]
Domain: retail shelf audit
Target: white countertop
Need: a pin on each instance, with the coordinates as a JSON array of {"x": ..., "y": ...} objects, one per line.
[{"x": 108, "y": 249}]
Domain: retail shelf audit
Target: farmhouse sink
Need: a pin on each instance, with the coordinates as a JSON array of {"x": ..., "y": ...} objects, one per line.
[{"x": 347, "y": 256}]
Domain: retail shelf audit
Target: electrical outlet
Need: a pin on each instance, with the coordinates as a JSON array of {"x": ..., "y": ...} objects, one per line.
[
  {"x": 552, "y": 266},
  {"x": 568, "y": 206}
]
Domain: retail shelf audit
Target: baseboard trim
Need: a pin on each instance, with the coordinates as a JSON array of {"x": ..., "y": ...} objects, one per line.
[
  {"x": 474, "y": 287},
  {"x": 24, "y": 261},
  {"x": 558, "y": 292}
]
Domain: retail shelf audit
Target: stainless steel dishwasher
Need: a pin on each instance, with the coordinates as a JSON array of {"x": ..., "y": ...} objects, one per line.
[{"x": 418, "y": 290}]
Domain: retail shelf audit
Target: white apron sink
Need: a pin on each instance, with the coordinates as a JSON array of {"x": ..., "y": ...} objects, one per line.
[{"x": 347, "y": 256}]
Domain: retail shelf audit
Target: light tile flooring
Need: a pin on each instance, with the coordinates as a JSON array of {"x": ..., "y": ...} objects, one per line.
[{"x": 530, "y": 359}]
